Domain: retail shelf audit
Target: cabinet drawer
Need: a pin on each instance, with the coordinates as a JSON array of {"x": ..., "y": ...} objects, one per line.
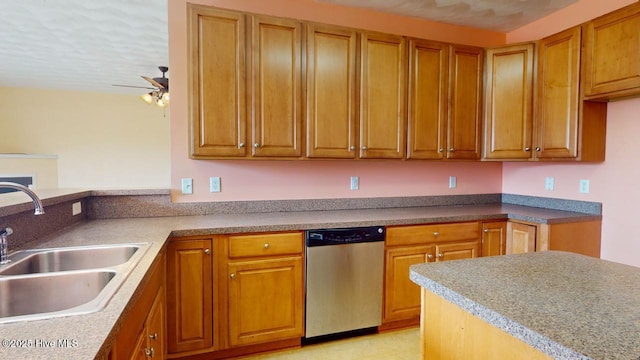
[
  {"x": 421, "y": 234},
  {"x": 265, "y": 244}
]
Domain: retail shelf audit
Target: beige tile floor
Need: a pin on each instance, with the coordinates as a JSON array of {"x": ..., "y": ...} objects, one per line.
[{"x": 401, "y": 344}]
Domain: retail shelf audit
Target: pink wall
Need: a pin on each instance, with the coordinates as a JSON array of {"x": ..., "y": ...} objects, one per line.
[
  {"x": 612, "y": 183},
  {"x": 264, "y": 180}
]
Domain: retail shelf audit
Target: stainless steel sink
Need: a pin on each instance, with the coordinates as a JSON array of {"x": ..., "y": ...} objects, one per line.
[
  {"x": 65, "y": 259},
  {"x": 45, "y": 283},
  {"x": 27, "y": 295}
]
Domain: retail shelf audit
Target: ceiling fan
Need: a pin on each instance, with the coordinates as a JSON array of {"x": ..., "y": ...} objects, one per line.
[{"x": 160, "y": 93}]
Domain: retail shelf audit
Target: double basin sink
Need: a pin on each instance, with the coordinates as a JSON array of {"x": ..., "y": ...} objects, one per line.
[{"x": 45, "y": 283}]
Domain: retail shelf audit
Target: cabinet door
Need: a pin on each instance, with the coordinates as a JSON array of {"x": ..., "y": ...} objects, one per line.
[
  {"x": 465, "y": 101},
  {"x": 521, "y": 238},
  {"x": 428, "y": 108},
  {"x": 331, "y": 92},
  {"x": 383, "y": 96},
  {"x": 509, "y": 102},
  {"x": 494, "y": 238},
  {"x": 189, "y": 295},
  {"x": 612, "y": 51},
  {"x": 139, "y": 352},
  {"x": 265, "y": 300},
  {"x": 276, "y": 87},
  {"x": 217, "y": 107},
  {"x": 558, "y": 95},
  {"x": 401, "y": 295},
  {"x": 457, "y": 250},
  {"x": 155, "y": 328}
]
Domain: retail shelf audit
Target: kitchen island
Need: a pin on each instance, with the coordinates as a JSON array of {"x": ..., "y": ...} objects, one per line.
[{"x": 538, "y": 305}]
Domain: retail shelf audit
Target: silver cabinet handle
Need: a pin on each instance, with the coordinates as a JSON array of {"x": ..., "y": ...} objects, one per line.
[
  {"x": 352, "y": 147},
  {"x": 241, "y": 145},
  {"x": 452, "y": 149},
  {"x": 441, "y": 255},
  {"x": 256, "y": 145},
  {"x": 537, "y": 148},
  {"x": 436, "y": 234},
  {"x": 233, "y": 275},
  {"x": 441, "y": 150},
  {"x": 153, "y": 336},
  {"x": 150, "y": 353},
  {"x": 429, "y": 256},
  {"x": 527, "y": 148},
  {"x": 266, "y": 246},
  {"x": 207, "y": 251},
  {"x": 364, "y": 148},
  {"x": 486, "y": 230}
]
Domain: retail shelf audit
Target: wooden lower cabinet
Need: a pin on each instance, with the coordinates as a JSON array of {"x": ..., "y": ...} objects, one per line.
[
  {"x": 189, "y": 295},
  {"x": 582, "y": 237},
  {"x": 265, "y": 300},
  {"x": 232, "y": 295},
  {"x": 401, "y": 295},
  {"x": 494, "y": 238},
  {"x": 415, "y": 244},
  {"x": 143, "y": 332},
  {"x": 521, "y": 238}
]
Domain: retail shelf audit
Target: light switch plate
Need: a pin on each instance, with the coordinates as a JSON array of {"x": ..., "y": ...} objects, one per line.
[
  {"x": 549, "y": 183},
  {"x": 355, "y": 183},
  {"x": 214, "y": 184},
  {"x": 453, "y": 182},
  {"x": 187, "y": 186},
  {"x": 584, "y": 186},
  {"x": 76, "y": 208}
]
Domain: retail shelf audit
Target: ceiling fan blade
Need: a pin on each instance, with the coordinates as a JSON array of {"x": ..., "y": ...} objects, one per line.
[
  {"x": 131, "y": 86},
  {"x": 153, "y": 82}
]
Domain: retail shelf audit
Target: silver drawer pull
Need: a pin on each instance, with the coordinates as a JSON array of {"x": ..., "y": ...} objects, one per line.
[{"x": 266, "y": 246}]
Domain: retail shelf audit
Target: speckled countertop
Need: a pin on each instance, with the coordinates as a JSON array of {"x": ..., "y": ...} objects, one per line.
[
  {"x": 95, "y": 332},
  {"x": 566, "y": 305}
]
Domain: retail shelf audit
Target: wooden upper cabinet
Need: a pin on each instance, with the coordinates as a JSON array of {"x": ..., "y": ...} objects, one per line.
[
  {"x": 276, "y": 87},
  {"x": 558, "y": 95},
  {"x": 612, "y": 54},
  {"x": 465, "y": 102},
  {"x": 331, "y": 92},
  {"x": 509, "y": 102},
  {"x": 567, "y": 127},
  {"x": 383, "y": 81},
  {"x": 427, "y": 103},
  {"x": 216, "y": 68}
]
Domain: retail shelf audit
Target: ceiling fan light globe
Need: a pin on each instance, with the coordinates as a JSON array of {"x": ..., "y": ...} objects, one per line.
[
  {"x": 148, "y": 98},
  {"x": 165, "y": 97}
]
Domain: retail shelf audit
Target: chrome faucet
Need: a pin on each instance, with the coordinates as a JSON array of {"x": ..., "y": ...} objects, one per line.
[
  {"x": 4, "y": 245},
  {"x": 39, "y": 210}
]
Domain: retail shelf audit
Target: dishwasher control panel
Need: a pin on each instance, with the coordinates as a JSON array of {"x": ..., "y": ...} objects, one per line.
[{"x": 322, "y": 237}]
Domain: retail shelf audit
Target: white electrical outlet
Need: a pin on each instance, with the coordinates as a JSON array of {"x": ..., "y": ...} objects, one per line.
[
  {"x": 214, "y": 184},
  {"x": 452, "y": 182},
  {"x": 355, "y": 183},
  {"x": 584, "y": 186},
  {"x": 76, "y": 208},
  {"x": 187, "y": 186},
  {"x": 549, "y": 183}
]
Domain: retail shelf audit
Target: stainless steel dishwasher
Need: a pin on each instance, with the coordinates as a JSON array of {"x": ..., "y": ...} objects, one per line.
[{"x": 344, "y": 278}]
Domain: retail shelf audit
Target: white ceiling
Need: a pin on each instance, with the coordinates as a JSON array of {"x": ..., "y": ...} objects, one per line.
[
  {"x": 84, "y": 45},
  {"x": 498, "y": 15},
  {"x": 88, "y": 45}
]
